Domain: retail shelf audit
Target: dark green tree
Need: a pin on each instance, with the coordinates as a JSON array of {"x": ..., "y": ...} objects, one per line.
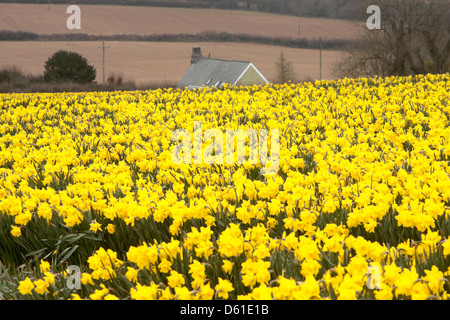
[{"x": 69, "y": 66}]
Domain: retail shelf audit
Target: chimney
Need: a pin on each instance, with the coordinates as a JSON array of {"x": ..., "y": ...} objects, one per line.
[{"x": 196, "y": 54}]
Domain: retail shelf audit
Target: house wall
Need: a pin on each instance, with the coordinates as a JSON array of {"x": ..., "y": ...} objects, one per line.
[{"x": 250, "y": 77}]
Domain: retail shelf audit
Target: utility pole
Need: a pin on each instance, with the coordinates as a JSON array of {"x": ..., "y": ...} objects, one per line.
[
  {"x": 320, "y": 55},
  {"x": 103, "y": 63}
]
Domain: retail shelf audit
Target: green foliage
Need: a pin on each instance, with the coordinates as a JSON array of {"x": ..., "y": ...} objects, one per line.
[{"x": 69, "y": 66}]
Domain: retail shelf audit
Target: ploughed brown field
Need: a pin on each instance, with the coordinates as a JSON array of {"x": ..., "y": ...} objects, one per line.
[
  {"x": 166, "y": 62},
  {"x": 110, "y": 20},
  {"x": 158, "y": 62}
]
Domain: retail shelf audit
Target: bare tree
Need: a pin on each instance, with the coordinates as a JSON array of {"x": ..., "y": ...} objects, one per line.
[
  {"x": 414, "y": 39},
  {"x": 285, "y": 70},
  {"x": 435, "y": 32}
]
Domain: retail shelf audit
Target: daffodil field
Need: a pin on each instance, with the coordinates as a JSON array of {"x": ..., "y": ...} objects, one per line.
[{"x": 359, "y": 207}]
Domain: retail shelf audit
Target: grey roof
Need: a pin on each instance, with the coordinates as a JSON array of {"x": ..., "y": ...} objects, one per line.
[{"x": 213, "y": 72}]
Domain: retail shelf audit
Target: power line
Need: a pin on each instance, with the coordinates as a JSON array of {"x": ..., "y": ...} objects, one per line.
[
  {"x": 320, "y": 57},
  {"x": 103, "y": 63}
]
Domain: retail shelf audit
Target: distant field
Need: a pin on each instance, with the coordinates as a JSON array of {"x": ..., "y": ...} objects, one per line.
[
  {"x": 110, "y": 20},
  {"x": 150, "y": 62}
]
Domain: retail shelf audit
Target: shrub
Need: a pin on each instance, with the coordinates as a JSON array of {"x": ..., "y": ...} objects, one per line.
[
  {"x": 69, "y": 66},
  {"x": 10, "y": 74}
]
